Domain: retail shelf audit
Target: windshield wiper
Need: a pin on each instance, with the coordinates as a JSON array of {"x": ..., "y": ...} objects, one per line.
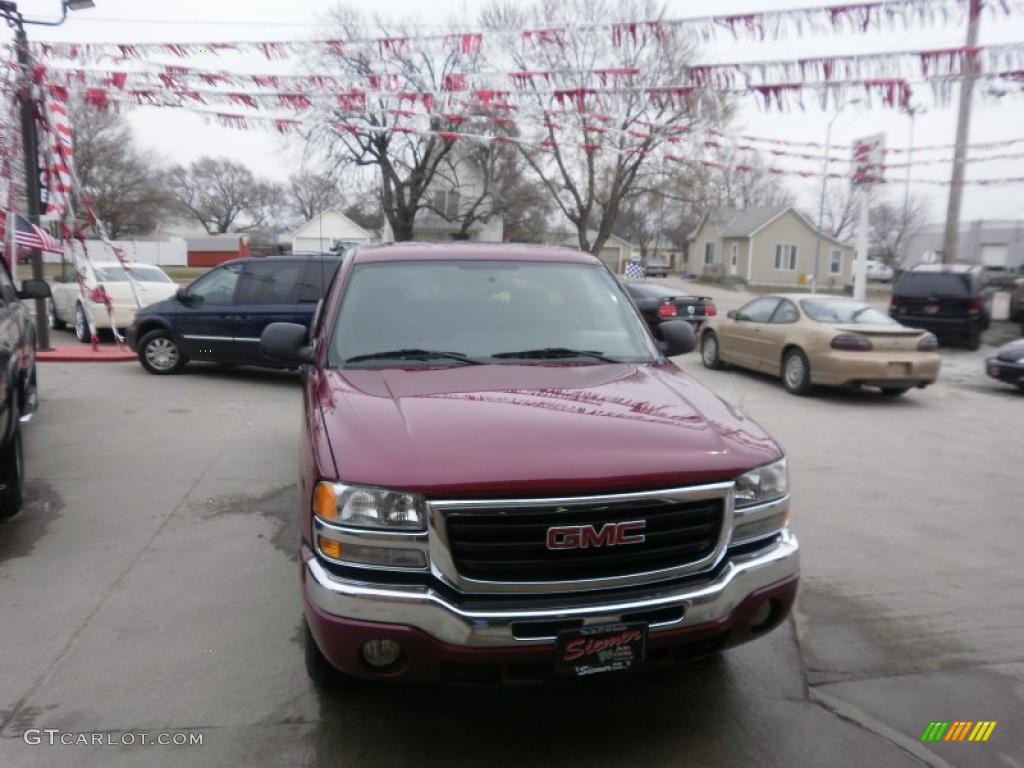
[
  {"x": 413, "y": 354},
  {"x": 555, "y": 353}
]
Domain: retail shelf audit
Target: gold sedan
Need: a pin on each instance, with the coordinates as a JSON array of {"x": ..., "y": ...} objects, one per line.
[{"x": 809, "y": 340}]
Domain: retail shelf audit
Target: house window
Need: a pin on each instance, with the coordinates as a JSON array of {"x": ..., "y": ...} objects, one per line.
[
  {"x": 836, "y": 265},
  {"x": 446, "y": 203},
  {"x": 735, "y": 253},
  {"x": 709, "y": 253},
  {"x": 785, "y": 258}
]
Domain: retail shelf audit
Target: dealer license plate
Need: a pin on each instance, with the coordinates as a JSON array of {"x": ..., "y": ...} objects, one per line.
[
  {"x": 900, "y": 369},
  {"x": 601, "y": 649}
]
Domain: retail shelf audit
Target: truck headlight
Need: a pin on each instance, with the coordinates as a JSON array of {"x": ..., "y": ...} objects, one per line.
[
  {"x": 364, "y": 507},
  {"x": 763, "y": 484}
]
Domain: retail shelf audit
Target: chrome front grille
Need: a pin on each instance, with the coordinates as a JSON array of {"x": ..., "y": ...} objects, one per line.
[{"x": 502, "y": 545}]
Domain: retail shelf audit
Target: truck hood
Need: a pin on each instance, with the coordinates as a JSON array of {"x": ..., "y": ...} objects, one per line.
[{"x": 495, "y": 430}]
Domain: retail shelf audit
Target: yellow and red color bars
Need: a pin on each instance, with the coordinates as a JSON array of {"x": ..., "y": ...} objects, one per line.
[{"x": 958, "y": 730}]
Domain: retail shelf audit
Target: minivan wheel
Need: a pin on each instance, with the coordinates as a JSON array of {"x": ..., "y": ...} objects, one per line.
[
  {"x": 159, "y": 353},
  {"x": 796, "y": 373},
  {"x": 12, "y": 476},
  {"x": 82, "y": 325},
  {"x": 320, "y": 670},
  {"x": 709, "y": 353},
  {"x": 51, "y": 315}
]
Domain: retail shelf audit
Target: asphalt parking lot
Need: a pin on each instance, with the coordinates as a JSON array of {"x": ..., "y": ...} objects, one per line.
[{"x": 151, "y": 585}]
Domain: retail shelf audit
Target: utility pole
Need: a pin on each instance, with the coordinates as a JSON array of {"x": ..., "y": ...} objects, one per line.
[
  {"x": 963, "y": 124},
  {"x": 30, "y": 149}
]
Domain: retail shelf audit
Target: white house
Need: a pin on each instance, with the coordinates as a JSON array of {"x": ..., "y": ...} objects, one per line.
[{"x": 328, "y": 231}]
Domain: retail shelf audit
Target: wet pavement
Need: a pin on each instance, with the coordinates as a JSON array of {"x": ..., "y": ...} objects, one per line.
[{"x": 151, "y": 586}]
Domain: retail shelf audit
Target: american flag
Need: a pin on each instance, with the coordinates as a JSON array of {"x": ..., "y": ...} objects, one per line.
[
  {"x": 634, "y": 270},
  {"x": 28, "y": 235}
]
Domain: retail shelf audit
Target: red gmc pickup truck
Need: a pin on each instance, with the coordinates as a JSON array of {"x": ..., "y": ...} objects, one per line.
[{"x": 504, "y": 479}]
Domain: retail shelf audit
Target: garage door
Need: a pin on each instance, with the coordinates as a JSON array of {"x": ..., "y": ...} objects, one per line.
[{"x": 993, "y": 254}]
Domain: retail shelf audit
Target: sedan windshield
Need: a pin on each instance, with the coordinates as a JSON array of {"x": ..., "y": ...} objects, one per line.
[
  {"x": 845, "y": 312},
  {"x": 522, "y": 312}
]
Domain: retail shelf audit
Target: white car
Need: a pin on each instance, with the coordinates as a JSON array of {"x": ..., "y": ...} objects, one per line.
[
  {"x": 68, "y": 307},
  {"x": 879, "y": 271}
]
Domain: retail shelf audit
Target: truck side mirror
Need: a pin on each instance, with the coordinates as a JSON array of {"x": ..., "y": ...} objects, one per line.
[
  {"x": 677, "y": 337},
  {"x": 287, "y": 342},
  {"x": 34, "y": 289}
]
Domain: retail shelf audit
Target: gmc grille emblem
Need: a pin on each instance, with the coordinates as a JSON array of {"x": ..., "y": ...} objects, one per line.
[{"x": 587, "y": 536}]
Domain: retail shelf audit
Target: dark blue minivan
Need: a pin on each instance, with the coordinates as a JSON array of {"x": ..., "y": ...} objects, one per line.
[{"x": 221, "y": 315}]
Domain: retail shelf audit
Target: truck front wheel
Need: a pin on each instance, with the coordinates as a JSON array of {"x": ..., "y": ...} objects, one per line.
[
  {"x": 320, "y": 670},
  {"x": 12, "y": 476}
]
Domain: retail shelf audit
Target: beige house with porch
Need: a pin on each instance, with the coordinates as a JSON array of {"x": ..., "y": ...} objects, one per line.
[{"x": 770, "y": 246}]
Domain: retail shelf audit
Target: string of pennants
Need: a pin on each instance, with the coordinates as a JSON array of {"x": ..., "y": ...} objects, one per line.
[
  {"x": 859, "y": 18},
  {"x": 1006, "y": 59}
]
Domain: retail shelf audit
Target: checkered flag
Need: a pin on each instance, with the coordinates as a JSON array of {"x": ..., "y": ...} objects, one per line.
[{"x": 634, "y": 270}]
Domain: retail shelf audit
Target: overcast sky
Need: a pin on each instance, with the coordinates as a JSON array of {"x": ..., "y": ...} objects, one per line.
[{"x": 178, "y": 136}]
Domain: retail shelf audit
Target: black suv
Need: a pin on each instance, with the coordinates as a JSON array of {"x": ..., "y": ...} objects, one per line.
[
  {"x": 950, "y": 300},
  {"x": 221, "y": 315},
  {"x": 18, "y": 398}
]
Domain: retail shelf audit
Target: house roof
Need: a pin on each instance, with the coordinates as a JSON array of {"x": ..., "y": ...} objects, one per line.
[{"x": 331, "y": 224}]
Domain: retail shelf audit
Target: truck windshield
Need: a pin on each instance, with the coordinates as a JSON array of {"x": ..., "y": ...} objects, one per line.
[{"x": 526, "y": 312}]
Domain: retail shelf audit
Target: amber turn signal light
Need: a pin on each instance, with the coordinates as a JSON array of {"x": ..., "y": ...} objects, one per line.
[{"x": 325, "y": 503}]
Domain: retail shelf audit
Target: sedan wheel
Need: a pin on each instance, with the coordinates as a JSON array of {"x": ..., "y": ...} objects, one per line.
[
  {"x": 796, "y": 372},
  {"x": 709, "y": 352},
  {"x": 159, "y": 354},
  {"x": 81, "y": 325}
]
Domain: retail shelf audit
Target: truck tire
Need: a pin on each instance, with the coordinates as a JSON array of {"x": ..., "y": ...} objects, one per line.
[
  {"x": 320, "y": 670},
  {"x": 796, "y": 372},
  {"x": 55, "y": 322},
  {"x": 974, "y": 339},
  {"x": 159, "y": 353},
  {"x": 12, "y": 475}
]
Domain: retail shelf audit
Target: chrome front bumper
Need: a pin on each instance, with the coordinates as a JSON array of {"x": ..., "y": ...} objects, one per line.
[{"x": 426, "y": 609}]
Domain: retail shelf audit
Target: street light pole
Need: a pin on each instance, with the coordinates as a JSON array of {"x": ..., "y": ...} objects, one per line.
[
  {"x": 29, "y": 138},
  {"x": 821, "y": 201}
]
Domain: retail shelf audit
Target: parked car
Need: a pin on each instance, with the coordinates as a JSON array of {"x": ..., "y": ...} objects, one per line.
[
  {"x": 221, "y": 315},
  {"x": 658, "y": 303},
  {"x": 1007, "y": 364},
  {"x": 950, "y": 300},
  {"x": 18, "y": 383},
  {"x": 809, "y": 340},
  {"x": 998, "y": 276},
  {"x": 1017, "y": 300},
  {"x": 656, "y": 266},
  {"x": 503, "y": 478},
  {"x": 68, "y": 307},
  {"x": 879, "y": 271}
]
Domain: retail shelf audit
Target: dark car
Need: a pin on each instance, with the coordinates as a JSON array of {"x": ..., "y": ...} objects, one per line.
[
  {"x": 18, "y": 398},
  {"x": 504, "y": 479},
  {"x": 950, "y": 300},
  {"x": 658, "y": 302},
  {"x": 1008, "y": 363},
  {"x": 220, "y": 316},
  {"x": 1017, "y": 300}
]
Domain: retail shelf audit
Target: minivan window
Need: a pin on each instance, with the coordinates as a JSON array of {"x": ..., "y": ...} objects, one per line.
[
  {"x": 218, "y": 286},
  {"x": 479, "y": 309},
  {"x": 918, "y": 284},
  {"x": 270, "y": 282}
]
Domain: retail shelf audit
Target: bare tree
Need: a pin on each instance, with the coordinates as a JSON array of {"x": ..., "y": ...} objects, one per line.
[
  {"x": 893, "y": 226},
  {"x": 311, "y": 194},
  {"x": 743, "y": 181},
  {"x": 121, "y": 184},
  {"x": 840, "y": 213},
  {"x": 600, "y": 142},
  {"x": 373, "y": 131},
  {"x": 223, "y": 195}
]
